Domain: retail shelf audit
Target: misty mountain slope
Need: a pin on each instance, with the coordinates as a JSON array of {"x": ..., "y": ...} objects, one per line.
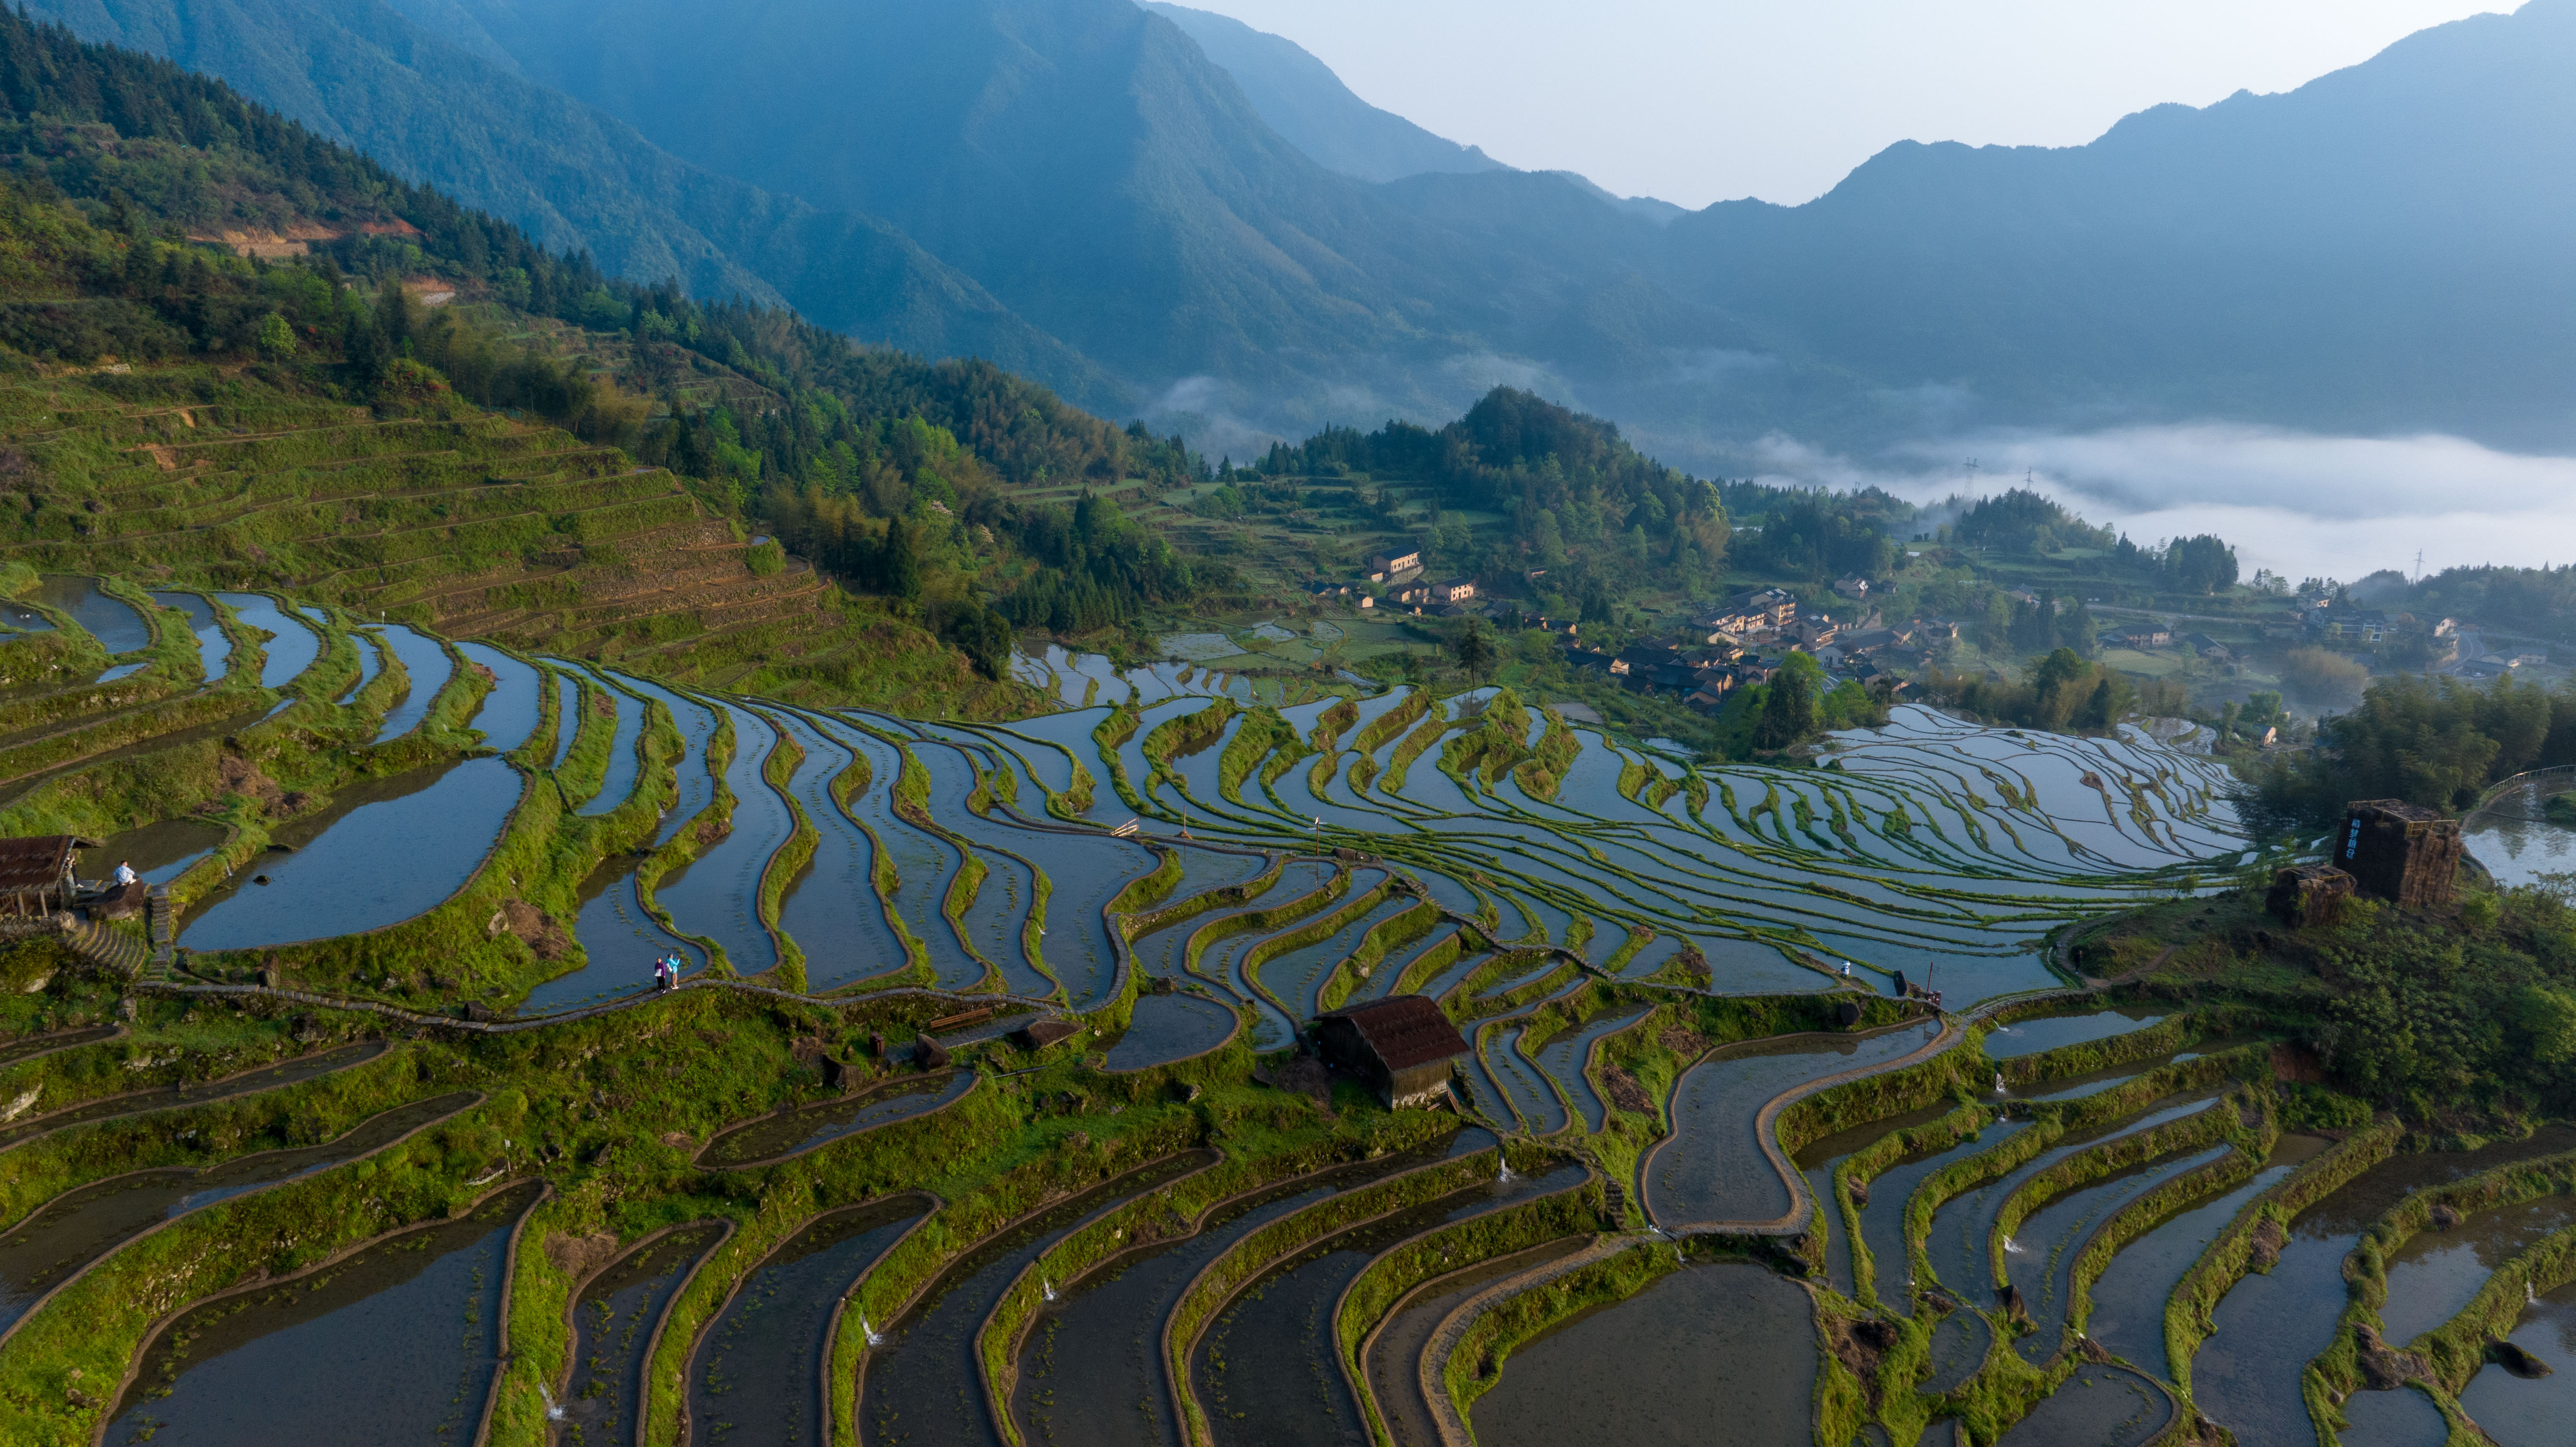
[
  {"x": 2380, "y": 249},
  {"x": 1082, "y": 159},
  {"x": 362, "y": 74},
  {"x": 1305, "y": 102}
]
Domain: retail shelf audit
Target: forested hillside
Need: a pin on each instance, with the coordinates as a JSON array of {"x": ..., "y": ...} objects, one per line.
[
  {"x": 393, "y": 313},
  {"x": 457, "y": 117}
]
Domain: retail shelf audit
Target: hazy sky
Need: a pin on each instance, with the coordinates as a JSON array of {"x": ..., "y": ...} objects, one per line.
[{"x": 1705, "y": 100}]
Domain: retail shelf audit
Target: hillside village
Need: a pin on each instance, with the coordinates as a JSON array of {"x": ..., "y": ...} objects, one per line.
[{"x": 2251, "y": 664}]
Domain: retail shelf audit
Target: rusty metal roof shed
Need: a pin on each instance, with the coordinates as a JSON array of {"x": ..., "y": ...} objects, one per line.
[
  {"x": 1403, "y": 1030},
  {"x": 42, "y": 863}
]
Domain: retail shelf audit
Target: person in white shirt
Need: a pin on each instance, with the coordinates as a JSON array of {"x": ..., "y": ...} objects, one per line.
[{"x": 125, "y": 874}]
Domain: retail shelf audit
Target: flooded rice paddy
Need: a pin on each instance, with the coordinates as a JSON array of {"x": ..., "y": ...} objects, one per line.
[
  {"x": 160, "y": 851},
  {"x": 716, "y": 896},
  {"x": 149, "y": 1102},
  {"x": 1166, "y": 1028},
  {"x": 2049, "y": 1032},
  {"x": 426, "y": 669},
  {"x": 1394, "y": 1352},
  {"x": 1717, "y": 1355},
  {"x": 1713, "y": 1169},
  {"x": 66, "y": 1235},
  {"x": 2246, "y": 1376},
  {"x": 214, "y": 647},
  {"x": 511, "y": 710},
  {"x": 116, "y": 624},
  {"x": 292, "y": 643},
  {"x": 2437, "y": 1273},
  {"x": 568, "y": 713},
  {"x": 624, "y": 758},
  {"x": 1265, "y": 1371},
  {"x": 2128, "y": 1316},
  {"x": 383, "y": 851},
  {"x": 2040, "y": 1260},
  {"x": 795, "y": 1132},
  {"x": 1929, "y": 853},
  {"x": 371, "y": 661},
  {"x": 758, "y": 1377},
  {"x": 614, "y": 1322},
  {"x": 1091, "y": 1373},
  {"x": 414, "y": 1317},
  {"x": 2531, "y": 1411},
  {"x": 2106, "y": 1405},
  {"x": 916, "y": 1386},
  {"x": 620, "y": 944}
]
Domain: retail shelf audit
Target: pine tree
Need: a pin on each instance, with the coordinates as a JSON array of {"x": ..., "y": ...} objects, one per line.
[{"x": 898, "y": 567}]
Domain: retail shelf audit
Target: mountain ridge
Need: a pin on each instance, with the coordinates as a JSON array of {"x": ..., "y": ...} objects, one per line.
[
  {"x": 1093, "y": 198},
  {"x": 1305, "y": 102}
]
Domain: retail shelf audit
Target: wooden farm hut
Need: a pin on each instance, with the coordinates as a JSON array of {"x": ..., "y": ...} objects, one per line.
[
  {"x": 36, "y": 874},
  {"x": 1402, "y": 1044}
]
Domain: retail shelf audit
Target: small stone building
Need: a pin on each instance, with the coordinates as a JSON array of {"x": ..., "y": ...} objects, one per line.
[
  {"x": 1402, "y": 1044},
  {"x": 2309, "y": 894},
  {"x": 2400, "y": 851}
]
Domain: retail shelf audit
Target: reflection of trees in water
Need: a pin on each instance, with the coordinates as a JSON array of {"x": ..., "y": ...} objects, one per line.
[{"x": 2516, "y": 837}]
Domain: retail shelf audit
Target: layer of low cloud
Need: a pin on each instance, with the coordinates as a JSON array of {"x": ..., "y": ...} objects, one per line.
[{"x": 2297, "y": 503}]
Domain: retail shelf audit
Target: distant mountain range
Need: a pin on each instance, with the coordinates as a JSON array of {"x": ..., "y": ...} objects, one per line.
[{"x": 1160, "y": 210}]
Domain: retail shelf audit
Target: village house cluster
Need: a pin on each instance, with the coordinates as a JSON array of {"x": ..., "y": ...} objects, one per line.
[
  {"x": 1394, "y": 580},
  {"x": 1741, "y": 642}
]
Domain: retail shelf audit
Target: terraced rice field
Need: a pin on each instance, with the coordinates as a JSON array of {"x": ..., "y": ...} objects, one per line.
[{"x": 1184, "y": 869}]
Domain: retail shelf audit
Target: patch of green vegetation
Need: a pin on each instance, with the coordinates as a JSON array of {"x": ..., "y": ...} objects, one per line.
[{"x": 2465, "y": 1017}]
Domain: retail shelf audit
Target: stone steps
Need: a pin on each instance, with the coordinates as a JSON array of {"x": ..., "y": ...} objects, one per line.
[{"x": 108, "y": 948}]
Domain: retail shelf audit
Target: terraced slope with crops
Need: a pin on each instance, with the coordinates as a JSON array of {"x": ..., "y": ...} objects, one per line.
[
  {"x": 431, "y": 513},
  {"x": 1183, "y": 882}
]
